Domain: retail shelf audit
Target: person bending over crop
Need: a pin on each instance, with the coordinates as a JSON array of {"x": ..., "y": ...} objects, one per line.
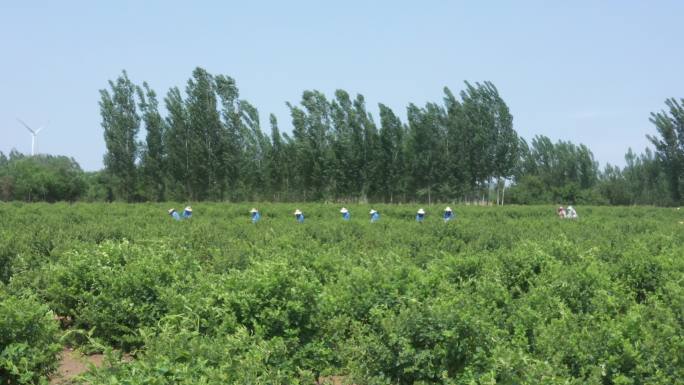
[
  {"x": 299, "y": 216},
  {"x": 420, "y": 215},
  {"x": 187, "y": 213},
  {"x": 345, "y": 214},
  {"x": 374, "y": 216},
  {"x": 174, "y": 214},
  {"x": 255, "y": 215},
  {"x": 448, "y": 214},
  {"x": 561, "y": 212},
  {"x": 571, "y": 213}
]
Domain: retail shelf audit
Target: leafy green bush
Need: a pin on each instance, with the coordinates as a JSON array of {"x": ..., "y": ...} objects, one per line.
[
  {"x": 114, "y": 288},
  {"x": 504, "y": 295},
  {"x": 28, "y": 339}
]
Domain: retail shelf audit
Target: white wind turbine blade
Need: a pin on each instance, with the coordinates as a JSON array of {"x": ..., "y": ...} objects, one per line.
[
  {"x": 27, "y": 126},
  {"x": 42, "y": 127}
]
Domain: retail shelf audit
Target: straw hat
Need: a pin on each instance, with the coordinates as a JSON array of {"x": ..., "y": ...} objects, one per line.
[
  {"x": 343, "y": 210},
  {"x": 373, "y": 212},
  {"x": 171, "y": 210},
  {"x": 421, "y": 211},
  {"x": 447, "y": 209},
  {"x": 297, "y": 212},
  {"x": 253, "y": 210},
  {"x": 188, "y": 209}
]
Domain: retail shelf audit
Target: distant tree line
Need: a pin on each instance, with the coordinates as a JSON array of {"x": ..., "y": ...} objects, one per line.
[
  {"x": 208, "y": 144},
  {"x": 40, "y": 178}
]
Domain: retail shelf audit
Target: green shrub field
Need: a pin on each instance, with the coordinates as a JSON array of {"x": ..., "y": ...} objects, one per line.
[{"x": 501, "y": 295}]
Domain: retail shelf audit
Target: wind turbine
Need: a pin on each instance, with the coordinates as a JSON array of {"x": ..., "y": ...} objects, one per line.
[{"x": 34, "y": 135}]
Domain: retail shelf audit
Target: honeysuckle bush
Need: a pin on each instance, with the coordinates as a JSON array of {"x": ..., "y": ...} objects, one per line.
[
  {"x": 29, "y": 339},
  {"x": 501, "y": 295}
]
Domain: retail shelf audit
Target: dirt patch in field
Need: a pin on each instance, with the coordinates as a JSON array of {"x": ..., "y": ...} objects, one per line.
[
  {"x": 73, "y": 363},
  {"x": 330, "y": 380}
]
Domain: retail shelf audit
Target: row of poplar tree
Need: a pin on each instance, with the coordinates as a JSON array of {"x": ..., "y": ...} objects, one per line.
[{"x": 210, "y": 145}]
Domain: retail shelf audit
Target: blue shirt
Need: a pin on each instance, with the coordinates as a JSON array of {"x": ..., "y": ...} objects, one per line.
[
  {"x": 346, "y": 216},
  {"x": 375, "y": 217},
  {"x": 420, "y": 217},
  {"x": 448, "y": 215},
  {"x": 255, "y": 217},
  {"x": 300, "y": 218},
  {"x": 187, "y": 214},
  {"x": 175, "y": 216}
]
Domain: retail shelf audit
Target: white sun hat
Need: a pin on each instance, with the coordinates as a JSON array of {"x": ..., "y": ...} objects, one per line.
[
  {"x": 188, "y": 209},
  {"x": 171, "y": 210},
  {"x": 344, "y": 210},
  {"x": 253, "y": 210},
  {"x": 373, "y": 211},
  {"x": 297, "y": 212},
  {"x": 447, "y": 209},
  {"x": 421, "y": 211}
]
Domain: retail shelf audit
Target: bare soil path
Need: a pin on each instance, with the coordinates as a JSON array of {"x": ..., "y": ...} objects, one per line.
[{"x": 73, "y": 363}]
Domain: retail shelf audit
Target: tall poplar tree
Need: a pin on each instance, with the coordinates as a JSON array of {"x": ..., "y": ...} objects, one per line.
[
  {"x": 424, "y": 148},
  {"x": 204, "y": 125},
  {"x": 277, "y": 166},
  {"x": 177, "y": 139},
  {"x": 669, "y": 144},
  {"x": 121, "y": 124},
  {"x": 391, "y": 156},
  {"x": 231, "y": 139},
  {"x": 152, "y": 162}
]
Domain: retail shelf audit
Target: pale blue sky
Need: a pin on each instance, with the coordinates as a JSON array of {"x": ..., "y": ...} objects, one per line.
[{"x": 586, "y": 71}]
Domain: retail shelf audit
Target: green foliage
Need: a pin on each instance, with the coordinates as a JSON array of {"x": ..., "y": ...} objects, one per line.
[
  {"x": 555, "y": 172},
  {"x": 41, "y": 178},
  {"x": 28, "y": 339},
  {"x": 121, "y": 123},
  {"x": 669, "y": 144},
  {"x": 211, "y": 146},
  {"x": 503, "y": 295},
  {"x": 152, "y": 160}
]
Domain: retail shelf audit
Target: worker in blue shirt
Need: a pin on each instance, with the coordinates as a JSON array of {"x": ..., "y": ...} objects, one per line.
[
  {"x": 374, "y": 216},
  {"x": 299, "y": 216},
  {"x": 448, "y": 214},
  {"x": 174, "y": 214},
  {"x": 345, "y": 214},
  {"x": 420, "y": 215},
  {"x": 187, "y": 213},
  {"x": 255, "y": 215}
]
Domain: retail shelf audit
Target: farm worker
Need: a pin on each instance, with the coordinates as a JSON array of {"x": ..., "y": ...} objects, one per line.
[
  {"x": 187, "y": 213},
  {"x": 299, "y": 216},
  {"x": 572, "y": 214},
  {"x": 345, "y": 214},
  {"x": 420, "y": 215},
  {"x": 448, "y": 214},
  {"x": 255, "y": 215},
  {"x": 375, "y": 216},
  {"x": 174, "y": 214},
  {"x": 561, "y": 212}
]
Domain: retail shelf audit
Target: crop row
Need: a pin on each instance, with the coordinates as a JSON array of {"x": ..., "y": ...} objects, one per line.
[{"x": 503, "y": 295}]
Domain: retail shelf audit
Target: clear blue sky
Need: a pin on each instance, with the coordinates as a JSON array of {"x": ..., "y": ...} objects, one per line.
[{"x": 585, "y": 71}]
